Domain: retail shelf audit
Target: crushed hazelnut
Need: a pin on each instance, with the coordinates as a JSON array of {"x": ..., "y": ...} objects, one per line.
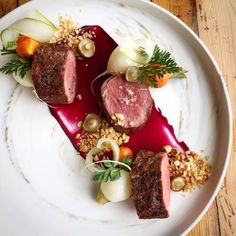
[
  {"x": 89, "y": 140},
  {"x": 167, "y": 148},
  {"x": 117, "y": 118},
  {"x": 69, "y": 33},
  {"x": 189, "y": 166}
]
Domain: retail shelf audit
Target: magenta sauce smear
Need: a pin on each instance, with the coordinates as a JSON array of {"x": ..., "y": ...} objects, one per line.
[{"x": 156, "y": 133}]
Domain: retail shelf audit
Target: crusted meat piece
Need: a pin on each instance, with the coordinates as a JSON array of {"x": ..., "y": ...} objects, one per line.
[
  {"x": 127, "y": 105},
  {"x": 54, "y": 73},
  {"x": 150, "y": 184}
]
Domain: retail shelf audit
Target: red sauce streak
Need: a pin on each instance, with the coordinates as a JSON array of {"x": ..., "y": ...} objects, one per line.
[{"x": 156, "y": 133}]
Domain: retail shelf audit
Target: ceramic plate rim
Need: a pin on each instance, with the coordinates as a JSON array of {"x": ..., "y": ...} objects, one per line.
[{"x": 225, "y": 92}]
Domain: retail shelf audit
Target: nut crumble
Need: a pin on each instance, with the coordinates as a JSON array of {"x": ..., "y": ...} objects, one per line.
[
  {"x": 69, "y": 33},
  {"x": 190, "y": 166},
  {"x": 88, "y": 140}
]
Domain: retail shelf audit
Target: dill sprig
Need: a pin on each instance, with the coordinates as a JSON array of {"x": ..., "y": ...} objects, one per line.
[
  {"x": 160, "y": 64},
  {"x": 109, "y": 170},
  {"x": 17, "y": 65}
]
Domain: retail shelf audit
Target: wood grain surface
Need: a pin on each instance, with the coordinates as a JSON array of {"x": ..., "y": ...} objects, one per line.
[{"x": 215, "y": 23}]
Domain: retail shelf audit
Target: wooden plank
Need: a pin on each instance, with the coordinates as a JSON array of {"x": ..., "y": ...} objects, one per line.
[
  {"x": 217, "y": 28},
  {"x": 186, "y": 10},
  {"x": 183, "y": 9},
  {"x": 6, "y": 6},
  {"x": 209, "y": 224}
]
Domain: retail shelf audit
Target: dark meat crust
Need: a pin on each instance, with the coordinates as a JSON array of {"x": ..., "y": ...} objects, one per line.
[
  {"x": 146, "y": 187},
  {"x": 48, "y": 72}
]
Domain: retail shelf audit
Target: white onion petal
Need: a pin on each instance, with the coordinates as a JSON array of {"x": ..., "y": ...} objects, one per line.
[
  {"x": 102, "y": 142},
  {"x": 26, "y": 81},
  {"x": 119, "y": 62},
  {"x": 89, "y": 158}
]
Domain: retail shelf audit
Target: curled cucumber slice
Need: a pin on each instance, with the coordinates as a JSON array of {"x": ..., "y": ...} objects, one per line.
[
  {"x": 39, "y": 16},
  {"x": 33, "y": 28},
  {"x": 9, "y": 39}
]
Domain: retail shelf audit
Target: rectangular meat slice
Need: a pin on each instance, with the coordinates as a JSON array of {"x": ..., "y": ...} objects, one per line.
[
  {"x": 54, "y": 73},
  {"x": 150, "y": 184}
]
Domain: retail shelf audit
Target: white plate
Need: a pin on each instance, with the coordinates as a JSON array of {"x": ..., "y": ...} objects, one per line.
[{"x": 42, "y": 190}]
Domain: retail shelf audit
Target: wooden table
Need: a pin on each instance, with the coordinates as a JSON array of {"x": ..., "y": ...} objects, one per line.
[{"x": 215, "y": 23}]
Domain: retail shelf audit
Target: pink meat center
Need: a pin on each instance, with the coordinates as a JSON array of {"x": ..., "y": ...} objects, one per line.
[
  {"x": 165, "y": 172},
  {"x": 129, "y": 99},
  {"x": 69, "y": 80}
]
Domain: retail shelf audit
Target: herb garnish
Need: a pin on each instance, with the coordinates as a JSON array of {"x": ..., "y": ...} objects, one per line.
[
  {"x": 17, "y": 65},
  {"x": 160, "y": 64},
  {"x": 109, "y": 171}
]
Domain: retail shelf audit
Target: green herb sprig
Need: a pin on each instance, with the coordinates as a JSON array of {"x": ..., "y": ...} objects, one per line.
[
  {"x": 17, "y": 65},
  {"x": 160, "y": 64},
  {"x": 109, "y": 170}
]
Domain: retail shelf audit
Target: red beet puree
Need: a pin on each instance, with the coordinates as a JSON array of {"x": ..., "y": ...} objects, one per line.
[{"x": 156, "y": 132}]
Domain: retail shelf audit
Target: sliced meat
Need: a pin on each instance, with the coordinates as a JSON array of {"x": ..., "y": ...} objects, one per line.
[
  {"x": 127, "y": 104},
  {"x": 54, "y": 73},
  {"x": 150, "y": 184}
]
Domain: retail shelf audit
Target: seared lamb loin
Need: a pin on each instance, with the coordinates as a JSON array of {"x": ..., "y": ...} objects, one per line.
[
  {"x": 54, "y": 73},
  {"x": 127, "y": 104},
  {"x": 150, "y": 184}
]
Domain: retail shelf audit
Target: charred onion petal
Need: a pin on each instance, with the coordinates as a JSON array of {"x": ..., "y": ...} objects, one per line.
[
  {"x": 132, "y": 74},
  {"x": 177, "y": 183},
  {"x": 91, "y": 123},
  {"x": 87, "y": 47}
]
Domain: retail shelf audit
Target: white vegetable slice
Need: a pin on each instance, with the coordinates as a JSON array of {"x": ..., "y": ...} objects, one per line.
[
  {"x": 118, "y": 190},
  {"x": 104, "y": 142},
  {"x": 33, "y": 28},
  {"x": 39, "y": 16},
  {"x": 138, "y": 50},
  {"x": 89, "y": 158},
  {"x": 9, "y": 39},
  {"x": 119, "y": 62},
  {"x": 26, "y": 81}
]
